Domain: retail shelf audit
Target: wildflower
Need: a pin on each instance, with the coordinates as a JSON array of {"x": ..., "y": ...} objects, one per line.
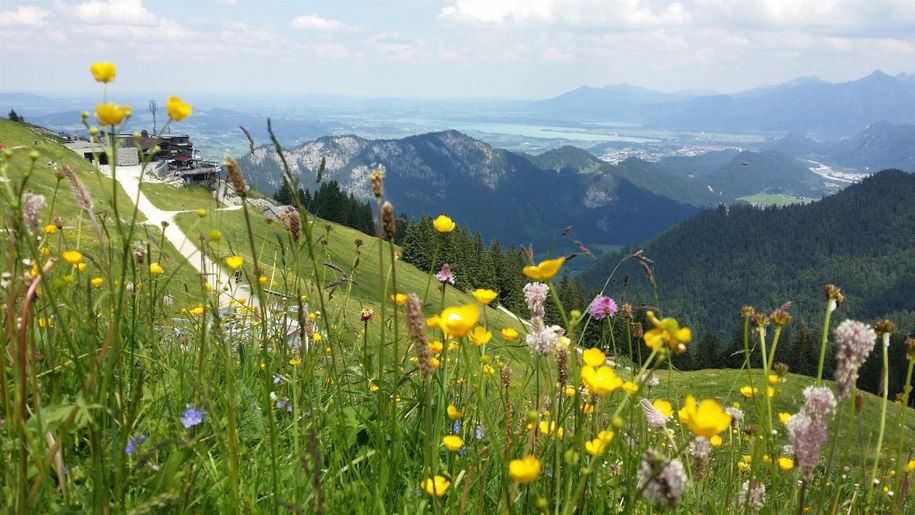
[
  {"x": 630, "y": 387},
  {"x": 545, "y": 270},
  {"x": 808, "y": 428},
  {"x": 443, "y": 224},
  {"x": 752, "y": 495},
  {"x": 655, "y": 414},
  {"x": 97, "y": 281},
  {"x": 81, "y": 267},
  {"x": 445, "y": 275},
  {"x": 262, "y": 279},
  {"x": 488, "y": 370},
  {"x": 569, "y": 391},
  {"x": 134, "y": 443},
  {"x": 458, "y": 321},
  {"x": 236, "y": 177},
  {"x": 594, "y": 357},
  {"x": 735, "y": 413},
  {"x": 72, "y": 257},
  {"x": 417, "y": 332},
  {"x": 707, "y": 419},
  {"x": 478, "y": 433},
  {"x": 192, "y": 416},
  {"x": 773, "y": 379},
  {"x": 785, "y": 463},
  {"x": 388, "y": 225},
  {"x": 452, "y": 442},
  {"x": 716, "y": 440},
  {"x": 910, "y": 466},
  {"x": 770, "y": 392},
  {"x": 156, "y": 269},
  {"x": 454, "y": 413},
  {"x": 31, "y": 213},
  {"x": 597, "y": 446},
  {"x": 295, "y": 362},
  {"x": 50, "y": 229},
  {"x": 432, "y": 321},
  {"x": 436, "y": 486},
  {"x": 480, "y": 336},
  {"x": 509, "y": 334},
  {"x": 197, "y": 311},
  {"x": 484, "y": 296},
  {"x": 103, "y": 72},
  {"x": 110, "y": 113},
  {"x": 436, "y": 347},
  {"x": 667, "y": 331},
  {"x": 524, "y": 470},
  {"x": 855, "y": 341},
  {"x": 178, "y": 110},
  {"x": 662, "y": 481},
  {"x": 601, "y": 380},
  {"x": 700, "y": 449},
  {"x": 235, "y": 262},
  {"x": 602, "y": 307},
  {"x": 748, "y": 391},
  {"x": 784, "y": 417}
]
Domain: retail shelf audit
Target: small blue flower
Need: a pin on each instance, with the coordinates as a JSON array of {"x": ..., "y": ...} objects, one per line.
[
  {"x": 280, "y": 404},
  {"x": 134, "y": 443},
  {"x": 456, "y": 428},
  {"x": 549, "y": 473},
  {"x": 277, "y": 379},
  {"x": 462, "y": 452},
  {"x": 192, "y": 416},
  {"x": 478, "y": 433}
]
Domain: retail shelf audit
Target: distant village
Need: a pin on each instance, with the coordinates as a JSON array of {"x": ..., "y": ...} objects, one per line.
[{"x": 176, "y": 158}]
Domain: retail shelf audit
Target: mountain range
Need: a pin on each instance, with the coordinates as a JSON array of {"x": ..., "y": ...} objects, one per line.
[{"x": 805, "y": 105}]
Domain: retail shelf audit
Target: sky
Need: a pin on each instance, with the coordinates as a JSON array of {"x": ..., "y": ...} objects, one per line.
[{"x": 522, "y": 49}]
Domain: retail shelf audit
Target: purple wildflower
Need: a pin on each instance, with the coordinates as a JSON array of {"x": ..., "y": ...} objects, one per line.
[
  {"x": 808, "y": 428},
  {"x": 456, "y": 428},
  {"x": 478, "y": 433},
  {"x": 656, "y": 419},
  {"x": 753, "y": 497},
  {"x": 602, "y": 307},
  {"x": 535, "y": 295},
  {"x": 855, "y": 342},
  {"x": 662, "y": 481},
  {"x": 445, "y": 275},
  {"x": 134, "y": 443},
  {"x": 192, "y": 416}
]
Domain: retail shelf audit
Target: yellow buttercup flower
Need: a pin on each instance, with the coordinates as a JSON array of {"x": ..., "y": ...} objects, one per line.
[
  {"x": 103, "y": 72},
  {"x": 443, "y": 224},
  {"x": 569, "y": 391},
  {"x": 453, "y": 443},
  {"x": 45, "y": 251},
  {"x": 454, "y": 413},
  {"x": 111, "y": 113},
  {"x": 748, "y": 391},
  {"x": 436, "y": 347},
  {"x": 663, "y": 406},
  {"x": 785, "y": 463},
  {"x": 770, "y": 391},
  {"x": 545, "y": 270},
  {"x": 97, "y": 281},
  {"x": 374, "y": 388},
  {"x": 178, "y": 110},
  {"x": 453, "y": 345},
  {"x": 488, "y": 370},
  {"x": 262, "y": 279},
  {"x": 910, "y": 466},
  {"x": 784, "y": 417},
  {"x": 773, "y": 379},
  {"x": 667, "y": 332},
  {"x": 459, "y": 320},
  {"x": 399, "y": 298},
  {"x": 594, "y": 357},
  {"x": 597, "y": 446},
  {"x": 81, "y": 266},
  {"x": 524, "y": 470},
  {"x": 480, "y": 336},
  {"x": 708, "y": 419},
  {"x": 743, "y": 466},
  {"x": 550, "y": 429},
  {"x": 601, "y": 380},
  {"x": 34, "y": 270},
  {"x": 50, "y": 229},
  {"x": 436, "y": 486},
  {"x": 630, "y": 387},
  {"x": 484, "y": 296},
  {"x": 156, "y": 269},
  {"x": 295, "y": 362},
  {"x": 716, "y": 440},
  {"x": 197, "y": 311},
  {"x": 432, "y": 321},
  {"x": 509, "y": 334},
  {"x": 235, "y": 262},
  {"x": 72, "y": 257}
]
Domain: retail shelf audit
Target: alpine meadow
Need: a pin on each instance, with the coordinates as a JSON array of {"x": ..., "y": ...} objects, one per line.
[{"x": 427, "y": 294}]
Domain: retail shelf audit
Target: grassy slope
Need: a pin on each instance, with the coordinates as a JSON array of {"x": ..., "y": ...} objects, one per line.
[
  {"x": 775, "y": 199},
  {"x": 168, "y": 197}
]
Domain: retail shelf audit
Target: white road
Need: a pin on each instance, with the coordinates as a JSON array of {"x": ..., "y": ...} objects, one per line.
[{"x": 129, "y": 178}]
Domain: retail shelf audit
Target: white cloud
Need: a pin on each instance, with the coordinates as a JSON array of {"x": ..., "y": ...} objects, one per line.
[
  {"x": 568, "y": 13},
  {"x": 398, "y": 47},
  {"x": 315, "y": 23},
  {"x": 335, "y": 51},
  {"x": 23, "y": 16},
  {"x": 110, "y": 12}
]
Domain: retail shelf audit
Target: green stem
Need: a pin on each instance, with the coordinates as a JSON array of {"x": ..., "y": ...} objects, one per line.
[
  {"x": 830, "y": 306},
  {"x": 886, "y": 392}
]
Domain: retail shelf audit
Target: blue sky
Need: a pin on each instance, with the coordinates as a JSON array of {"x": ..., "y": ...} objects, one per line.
[{"x": 447, "y": 48}]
